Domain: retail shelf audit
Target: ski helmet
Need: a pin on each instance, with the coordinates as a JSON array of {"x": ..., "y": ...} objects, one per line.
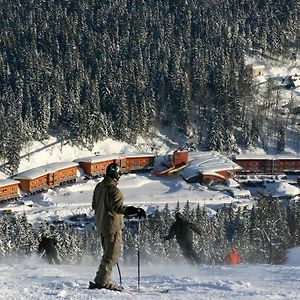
[{"x": 113, "y": 170}]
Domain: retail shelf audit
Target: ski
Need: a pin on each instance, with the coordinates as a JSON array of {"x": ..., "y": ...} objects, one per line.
[
  {"x": 147, "y": 291},
  {"x": 93, "y": 286}
]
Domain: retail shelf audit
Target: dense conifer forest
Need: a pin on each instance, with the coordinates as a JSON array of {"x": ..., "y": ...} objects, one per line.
[
  {"x": 86, "y": 70},
  {"x": 262, "y": 235}
]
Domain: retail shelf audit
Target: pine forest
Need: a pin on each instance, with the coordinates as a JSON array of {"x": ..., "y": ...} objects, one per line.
[
  {"x": 262, "y": 235},
  {"x": 86, "y": 70}
]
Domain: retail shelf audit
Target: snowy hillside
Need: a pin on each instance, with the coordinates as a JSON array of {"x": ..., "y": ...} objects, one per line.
[
  {"x": 36, "y": 280},
  {"x": 279, "y": 71},
  {"x": 162, "y": 75},
  {"x": 284, "y": 99},
  {"x": 144, "y": 189}
]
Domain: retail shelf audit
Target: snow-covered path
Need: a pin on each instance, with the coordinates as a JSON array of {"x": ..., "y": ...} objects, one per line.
[{"x": 33, "y": 279}]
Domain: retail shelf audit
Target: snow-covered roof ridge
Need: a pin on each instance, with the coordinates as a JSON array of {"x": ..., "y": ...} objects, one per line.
[
  {"x": 267, "y": 156},
  {"x": 6, "y": 182},
  {"x": 212, "y": 160},
  {"x": 136, "y": 154},
  {"x": 100, "y": 158},
  {"x": 207, "y": 162},
  {"x": 45, "y": 169},
  {"x": 258, "y": 65}
]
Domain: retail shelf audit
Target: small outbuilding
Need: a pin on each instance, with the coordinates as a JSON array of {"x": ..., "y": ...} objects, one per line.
[{"x": 256, "y": 70}]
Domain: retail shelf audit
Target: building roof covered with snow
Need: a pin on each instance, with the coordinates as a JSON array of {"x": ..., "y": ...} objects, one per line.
[
  {"x": 102, "y": 158},
  {"x": 99, "y": 158},
  {"x": 201, "y": 162},
  {"x": 254, "y": 156},
  {"x": 7, "y": 182},
  {"x": 45, "y": 169},
  {"x": 138, "y": 155}
]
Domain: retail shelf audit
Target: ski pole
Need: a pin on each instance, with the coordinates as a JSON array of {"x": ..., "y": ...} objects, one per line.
[
  {"x": 119, "y": 275},
  {"x": 138, "y": 253},
  {"x": 42, "y": 254}
]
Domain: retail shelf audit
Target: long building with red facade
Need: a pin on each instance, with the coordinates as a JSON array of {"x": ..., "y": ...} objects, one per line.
[
  {"x": 268, "y": 164},
  {"x": 44, "y": 177},
  {"x": 95, "y": 166},
  {"x": 9, "y": 189}
]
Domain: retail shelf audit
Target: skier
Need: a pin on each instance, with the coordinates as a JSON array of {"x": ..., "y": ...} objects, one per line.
[
  {"x": 109, "y": 210},
  {"x": 183, "y": 230},
  {"x": 47, "y": 249},
  {"x": 233, "y": 257}
]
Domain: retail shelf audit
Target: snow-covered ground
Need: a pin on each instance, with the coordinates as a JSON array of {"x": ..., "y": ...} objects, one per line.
[
  {"x": 279, "y": 71},
  {"x": 145, "y": 190},
  {"x": 34, "y": 279}
]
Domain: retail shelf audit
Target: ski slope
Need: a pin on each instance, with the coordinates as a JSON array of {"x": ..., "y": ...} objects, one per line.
[{"x": 34, "y": 279}]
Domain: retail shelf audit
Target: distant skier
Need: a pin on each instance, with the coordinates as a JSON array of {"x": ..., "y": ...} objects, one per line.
[
  {"x": 109, "y": 210},
  {"x": 183, "y": 230},
  {"x": 233, "y": 257},
  {"x": 47, "y": 249}
]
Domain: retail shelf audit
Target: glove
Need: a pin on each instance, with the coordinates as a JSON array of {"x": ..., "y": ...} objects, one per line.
[
  {"x": 135, "y": 211},
  {"x": 130, "y": 210}
]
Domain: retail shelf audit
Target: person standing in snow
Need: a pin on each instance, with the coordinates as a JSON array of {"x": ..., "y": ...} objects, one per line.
[
  {"x": 233, "y": 257},
  {"x": 47, "y": 249},
  {"x": 183, "y": 230},
  {"x": 109, "y": 210}
]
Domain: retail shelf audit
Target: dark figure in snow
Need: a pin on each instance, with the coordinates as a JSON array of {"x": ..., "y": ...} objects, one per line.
[
  {"x": 109, "y": 210},
  {"x": 183, "y": 230},
  {"x": 47, "y": 249}
]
